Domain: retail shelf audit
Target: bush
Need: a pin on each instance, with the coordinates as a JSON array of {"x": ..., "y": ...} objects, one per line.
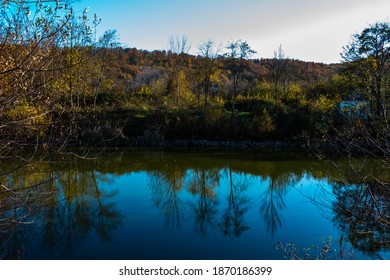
[{"x": 263, "y": 124}]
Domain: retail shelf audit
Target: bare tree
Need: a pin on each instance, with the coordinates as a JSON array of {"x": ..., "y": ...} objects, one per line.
[
  {"x": 209, "y": 66},
  {"x": 178, "y": 45},
  {"x": 42, "y": 45},
  {"x": 278, "y": 69},
  {"x": 178, "y": 50},
  {"x": 106, "y": 43},
  {"x": 237, "y": 52}
]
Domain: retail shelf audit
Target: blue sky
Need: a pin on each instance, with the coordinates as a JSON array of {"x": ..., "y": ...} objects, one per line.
[{"x": 309, "y": 30}]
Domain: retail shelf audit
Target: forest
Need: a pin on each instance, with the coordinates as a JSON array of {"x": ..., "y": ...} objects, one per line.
[
  {"x": 63, "y": 86},
  {"x": 66, "y": 90}
]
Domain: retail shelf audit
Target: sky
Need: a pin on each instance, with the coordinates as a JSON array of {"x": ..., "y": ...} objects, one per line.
[{"x": 309, "y": 30}]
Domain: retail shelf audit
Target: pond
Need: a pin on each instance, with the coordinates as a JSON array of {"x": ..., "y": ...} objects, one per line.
[{"x": 189, "y": 205}]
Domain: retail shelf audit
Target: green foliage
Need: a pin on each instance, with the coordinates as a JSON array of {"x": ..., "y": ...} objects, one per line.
[
  {"x": 27, "y": 120},
  {"x": 325, "y": 105},
  {"x": 367, "y": 59},
  {"x": 263, "y": 90},
  {"x": 263, "y": 124}
]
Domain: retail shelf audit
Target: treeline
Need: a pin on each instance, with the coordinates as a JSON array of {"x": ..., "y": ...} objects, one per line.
[
  {"x": 182, "y": 80},
  {"x": 61, "y": 85},
  {"x": 141, "y": 97},
  {"x": 162, "y": 95}
]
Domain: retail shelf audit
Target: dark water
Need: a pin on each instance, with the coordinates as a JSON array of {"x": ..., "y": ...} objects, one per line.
[{"x": 194, "y": 205}]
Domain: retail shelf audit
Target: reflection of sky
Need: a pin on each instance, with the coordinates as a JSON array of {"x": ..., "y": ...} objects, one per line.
[
  {"x": 309, "y": 30},
  {"x": 144, "y": 233}
]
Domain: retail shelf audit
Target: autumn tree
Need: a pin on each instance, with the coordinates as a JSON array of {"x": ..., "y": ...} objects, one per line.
[
  {"x": 43, "y": 47},
  {"x": 277, "y": 70},
  {"x": 107, "y": 42},
  {"x": 236, "y": 55},
  {"x": 177, "y": 53},
  {"x": 209, "y": 67},
  {"x": 368, "y": 61},
  {"x": 366, "y": 184},
  {"x": 29, "y": 34}
]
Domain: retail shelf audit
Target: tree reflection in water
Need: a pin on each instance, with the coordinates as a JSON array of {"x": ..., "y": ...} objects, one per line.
[
  {"x": 272, "y": 203},
  {"x": 21, "y": 209},
  {"x": 202, "y": 184},
  {"x": 165, "y": 187},
  {"x": 57, "y": 209},
  {"x": 86, "y": 208},
  {"x": 359, "y": 202},
  {"x": 233, "y": 223},
  {"x": 362, "y": 212}
]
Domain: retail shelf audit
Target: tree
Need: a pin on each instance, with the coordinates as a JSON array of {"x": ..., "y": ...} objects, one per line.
[
  {"x": 278, "y": 69},
  {"x": 368, "y": 58},
  {"x": 368, "y": 184},
  {"x": 368, "y": 66},
  {"x": 106, "y": 43},
  {"x": 209, "y": 67},
  {"x": 177, "y": 53},
  {"x": 27, "y": 37},
  {"x": 178, "y": 45},
  {"x": 237, "y": 52},
  {"x": 41, "y": 45}
]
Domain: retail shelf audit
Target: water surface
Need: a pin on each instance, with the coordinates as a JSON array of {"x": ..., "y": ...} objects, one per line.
[{"x": 187, "y": 205}]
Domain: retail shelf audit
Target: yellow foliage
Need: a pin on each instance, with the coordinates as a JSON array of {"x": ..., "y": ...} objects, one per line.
[
  {"x": 30, "y": 119},
  {"x": 263, "y": 90},
  {"x": 295, "y": 93},
  {"x": 219, "y": 101},
  {"x": 263, "y": 123},
  {"x": 325, "y": 104},
  {"x": 145, "y": 91}
]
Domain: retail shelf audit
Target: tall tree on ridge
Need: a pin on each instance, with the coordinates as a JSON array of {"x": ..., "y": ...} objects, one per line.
[{"x": 237, "y": 52}]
